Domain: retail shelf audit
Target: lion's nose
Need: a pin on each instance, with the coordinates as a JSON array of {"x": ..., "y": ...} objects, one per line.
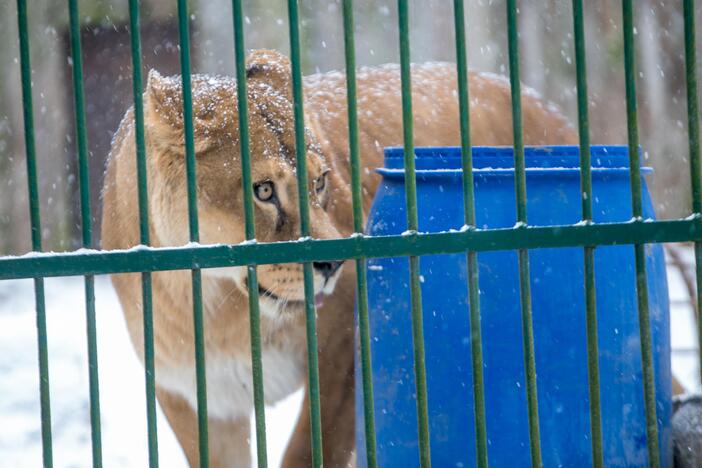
[{"x": 327, "y": 269}]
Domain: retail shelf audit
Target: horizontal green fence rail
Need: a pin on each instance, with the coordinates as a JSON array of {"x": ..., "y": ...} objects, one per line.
[{"x": 213, "y": 256}]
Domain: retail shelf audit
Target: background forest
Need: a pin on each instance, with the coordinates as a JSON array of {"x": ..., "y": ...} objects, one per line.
[{"x": 547, "y": 65}]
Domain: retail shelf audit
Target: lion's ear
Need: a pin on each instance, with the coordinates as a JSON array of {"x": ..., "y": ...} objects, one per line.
[
  {"x": 163, "y": 99},
  {"x": 163, "y": 111},
  {"x": 272, "y": 68}
]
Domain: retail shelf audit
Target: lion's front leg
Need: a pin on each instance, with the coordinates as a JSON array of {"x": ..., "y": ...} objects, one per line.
[
  {"x": 228, "y": 440},
  {"x": 298, "y": 454},
  {"x": 337, "y": 432},
  {"x": 336, "y": 374}
]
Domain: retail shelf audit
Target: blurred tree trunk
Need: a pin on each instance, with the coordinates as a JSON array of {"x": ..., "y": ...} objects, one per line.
[
  {"x": 107, "y": 63},
  {"x": 49, "y": 124}
]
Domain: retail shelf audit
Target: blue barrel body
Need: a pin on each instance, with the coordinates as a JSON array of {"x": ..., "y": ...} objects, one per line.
[{"x": 558, "y": 298}]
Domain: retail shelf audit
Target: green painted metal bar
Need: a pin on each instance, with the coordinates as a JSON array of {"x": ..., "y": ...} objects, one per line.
[
  {"x": 593, "y": 367},
  {"x": 149, "y": 259},
  {"x": 351, "y": 97},
  {"x": 583, "y": 114},
  {"x": 189, "y": 134},
  {"x": 35, "y": 225},
  {"x": 631, "y": 109},
  {"x": 86, "y": 225},
  {"x": 413, "y": 226},
  {"x": 143, "y": 203},
  {"x": 149, "y": 368},
  {"x": 639, "y": 252},
  {"x": 357, "y": 201},
  {"x": 647, "y": 356},
  {"x": 366, "y": 364},
  {"x": 407, "y": 120},
  {"x": 250, "y": 227},
  {"x": 313, "y": 368},
  {"x": 692, "y": 106},
  {"x": 693, "y": 129},
  {"x": 523, "y": 255},
  {"x": 516, "y": 95},
  {"x": 243, "y": 108},
  {"x": 257, "y": 367},
  {"x": 191, "y": 175},
  {"x": 469, "y": 217},
  {"x": 200, "y": 369},
  {"x": 529, "y": 356},
  {"x": 698, "y": 274},
  {"x": 28, "y": 114},
  {"x": 298, "y": 107},
  {"x": 93, "y": 375},
  {"x": 464, "y": 111},
  {"x": 137, "y": 90},
  {"x": 81, "y": 129},
  {"x": 303, "y": 199},
  {"x": 44, "y": 392}
]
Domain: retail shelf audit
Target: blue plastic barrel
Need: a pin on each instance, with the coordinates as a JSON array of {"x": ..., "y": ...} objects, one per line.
[{"x": 553, "y": 198}]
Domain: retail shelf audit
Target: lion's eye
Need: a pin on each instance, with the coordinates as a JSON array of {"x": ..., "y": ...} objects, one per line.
[
  {"x": 264, "y": 191},
  {"x": 320, "y": 183}
]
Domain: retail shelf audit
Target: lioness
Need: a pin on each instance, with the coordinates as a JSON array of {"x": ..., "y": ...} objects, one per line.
[{"x": 229, "y": 382}]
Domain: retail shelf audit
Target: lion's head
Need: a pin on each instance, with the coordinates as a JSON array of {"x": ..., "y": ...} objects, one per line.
[{"x": 219, "y": 173}]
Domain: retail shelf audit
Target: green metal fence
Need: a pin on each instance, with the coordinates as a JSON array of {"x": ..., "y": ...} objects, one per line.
[{"x": 586, "y": 234}]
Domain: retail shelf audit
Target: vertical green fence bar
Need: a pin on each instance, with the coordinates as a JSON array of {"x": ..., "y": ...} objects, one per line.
[
  {"x": 694, "y": 141},
  {"x": 86, "y": 226},
  {"x": 35, "y": 223},
  {"x": 413, "y": 226},
  {"x": 356, "y": 197},
  {"x": 191, "y": 174},
  {"x": 303, "y": 199},
  {"x": 144, "y": 238},
  {"x": 524, "y": 275},
  {"x": 469, "y": 217},
  {"x": 639, "y": 249},
  {"x": 593, "y": 367},
  {"x": 250, "y": 227}
]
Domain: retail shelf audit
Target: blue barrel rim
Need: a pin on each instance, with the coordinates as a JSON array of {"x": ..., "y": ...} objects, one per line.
[{"x": 500, "y": 159}]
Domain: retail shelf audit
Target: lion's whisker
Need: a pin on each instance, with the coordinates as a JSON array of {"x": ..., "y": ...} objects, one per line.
[{"x": 227, "y": 296}]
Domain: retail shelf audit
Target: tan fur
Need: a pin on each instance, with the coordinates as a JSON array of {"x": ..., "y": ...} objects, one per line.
[{"x": 220, "y": 205}]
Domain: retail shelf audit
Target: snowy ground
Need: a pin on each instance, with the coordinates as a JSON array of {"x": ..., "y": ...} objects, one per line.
[
  {"x": 121, "y": 379},
  {"x": 121, "y": 384}
]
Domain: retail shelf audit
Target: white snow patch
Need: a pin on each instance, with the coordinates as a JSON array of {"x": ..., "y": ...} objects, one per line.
[{"x": 122, "y": 394}]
